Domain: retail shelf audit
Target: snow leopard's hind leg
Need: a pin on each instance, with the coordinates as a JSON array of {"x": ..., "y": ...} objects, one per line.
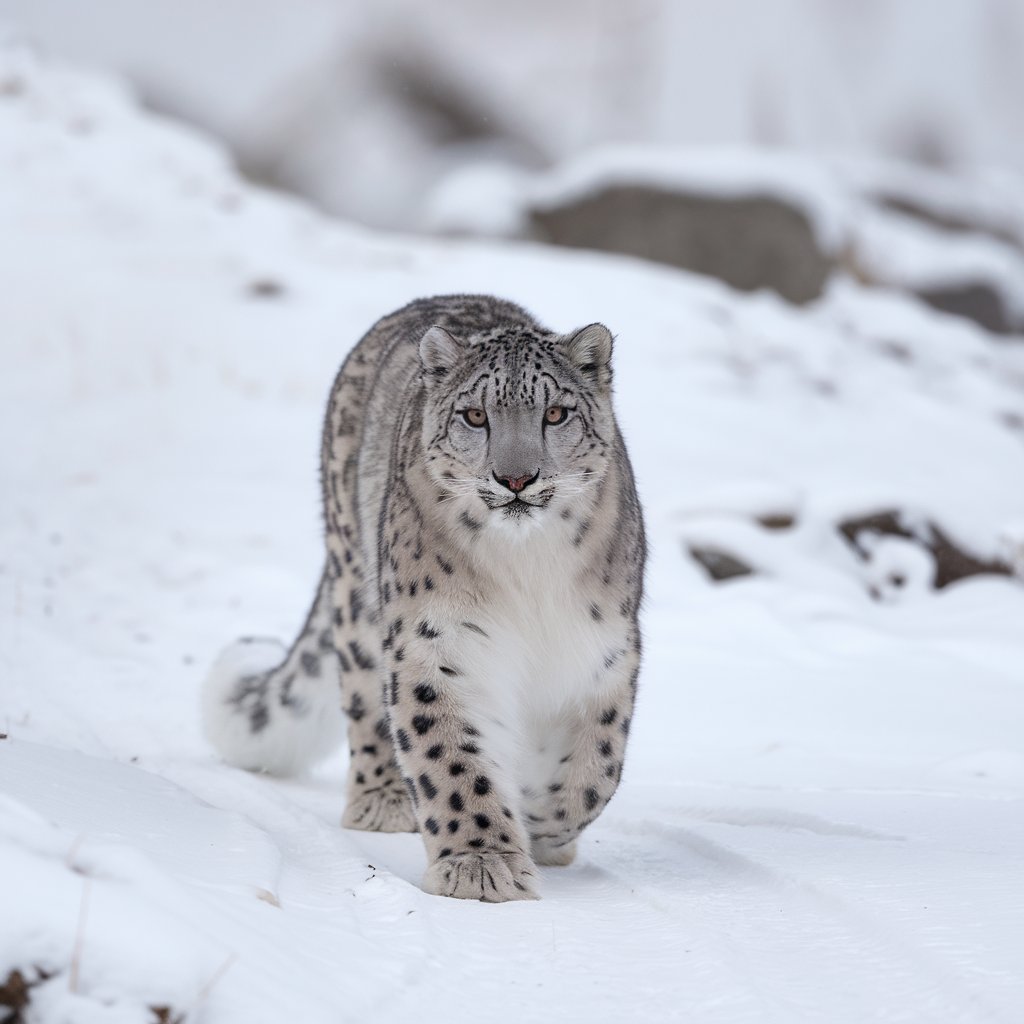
[{"x": 376, "y": 798}]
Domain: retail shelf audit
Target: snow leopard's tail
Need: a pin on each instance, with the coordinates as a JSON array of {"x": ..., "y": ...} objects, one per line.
[{"x": 272, "y": 711}]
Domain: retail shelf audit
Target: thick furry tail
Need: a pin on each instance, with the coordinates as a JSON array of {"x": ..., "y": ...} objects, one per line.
[{"x": 274, "y": 711}]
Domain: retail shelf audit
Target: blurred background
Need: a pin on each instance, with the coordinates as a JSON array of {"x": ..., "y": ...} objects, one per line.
[
  {"x": 772, "y": 146},
  {"x": 368, "y": 108}
]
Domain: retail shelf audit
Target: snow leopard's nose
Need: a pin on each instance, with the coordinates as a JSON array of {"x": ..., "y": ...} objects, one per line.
[{"x": 516, "y": 483}]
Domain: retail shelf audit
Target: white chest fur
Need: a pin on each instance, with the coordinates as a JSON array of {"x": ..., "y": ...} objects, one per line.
[{"x": 549, "y": 635}]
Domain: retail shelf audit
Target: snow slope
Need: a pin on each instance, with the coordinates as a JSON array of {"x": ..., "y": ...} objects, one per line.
[{"x": 823, "y": 809}]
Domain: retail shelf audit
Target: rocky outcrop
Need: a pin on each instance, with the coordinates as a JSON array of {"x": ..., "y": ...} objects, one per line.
[{"x": 749, "y": 242}]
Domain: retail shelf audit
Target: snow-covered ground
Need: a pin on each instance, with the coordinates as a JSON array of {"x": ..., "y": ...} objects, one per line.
[{"x": 822, "y": 814}]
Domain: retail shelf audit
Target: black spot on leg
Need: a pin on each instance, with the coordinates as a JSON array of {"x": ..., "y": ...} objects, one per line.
[
  {"x": 428, "y": 787},
  {"x": 481, "y": 785},
  {"x": 476, "y": 843},
  {"x": 360, "y": 779},
  {"x": 370, "y": 749},
  {"x": 359, "y": 656},
  {"x": 445, "y": 671},
  {"x": 356, "y": 709},
  {"x": 560, "y": 814},
  {"x": 609, "y": 716},
  {"x": 446, "y": 567},
  {"x": 469, "y": 748},
  {"x": 432, "y": 826},
  {"x": 604, "y": 748},
  {"x": 446, "y": 852},
  {"x": 456, "y": 802},
  {"x": 624, "y": 726},
  {"x": 595, "y": 613},
  {"x": 590, "y": 798},
  {"x": 555, "y": 787},
  {"x": 456, "y": 768},
  {"x": 482, "y": 821},
  {"x": 381, "y": 729},
  {"x": 336, "y": 570},
  {"x": 393, "y": 689},
  {"x": 435, "y": 752},
  {"x": 453, "y": 826},
  {"x": 425, "y": 693},
  {"x": 404, "y": 744},
  {"x": 425, "y": 630},
  {"x": 428, "y": 583},
  {"x": 423, "y": 724}
]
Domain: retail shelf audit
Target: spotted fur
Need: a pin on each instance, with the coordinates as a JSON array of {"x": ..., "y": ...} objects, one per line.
[{"x": 478, "y": 600}]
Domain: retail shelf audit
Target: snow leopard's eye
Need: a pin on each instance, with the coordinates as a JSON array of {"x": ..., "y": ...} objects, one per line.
[
  {"x": 555, "y": 414},
  {"x": 475, "y": 417}
]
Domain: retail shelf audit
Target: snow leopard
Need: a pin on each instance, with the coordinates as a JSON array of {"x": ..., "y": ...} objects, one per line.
[{"x": 478, "y": 601}]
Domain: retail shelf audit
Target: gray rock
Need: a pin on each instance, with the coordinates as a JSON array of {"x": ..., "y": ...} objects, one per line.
[
  {"x": 952, "y": 562},
  {"x": 749, "y": 242}
]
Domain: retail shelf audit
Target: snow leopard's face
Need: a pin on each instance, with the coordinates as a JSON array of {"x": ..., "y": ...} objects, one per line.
[{"x": 516, "y": 424}]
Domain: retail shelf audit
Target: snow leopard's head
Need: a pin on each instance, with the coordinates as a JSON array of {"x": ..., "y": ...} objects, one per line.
[{"x": 516, "y": 422}]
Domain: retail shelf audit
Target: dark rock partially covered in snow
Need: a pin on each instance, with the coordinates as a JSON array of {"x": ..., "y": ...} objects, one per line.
[
  {"x": 951, "y": 561},
  {"x": 718, "y": 563},
  {"x": 747, "y": 241},
  {"x": 975, "y": 300}
]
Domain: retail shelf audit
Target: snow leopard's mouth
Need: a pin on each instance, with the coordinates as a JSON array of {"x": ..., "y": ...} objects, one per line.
[{"x": 517, "y": 506}]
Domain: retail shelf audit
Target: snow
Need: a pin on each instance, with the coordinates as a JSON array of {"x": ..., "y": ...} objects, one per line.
[{"x": 821, "y": 815}]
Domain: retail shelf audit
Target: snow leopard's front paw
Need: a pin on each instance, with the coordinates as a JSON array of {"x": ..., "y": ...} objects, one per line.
[
  {"x": 380, "y": 810},
  {"x": 490, "y": 877}
]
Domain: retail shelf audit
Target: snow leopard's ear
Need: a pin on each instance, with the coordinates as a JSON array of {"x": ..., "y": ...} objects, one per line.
[
  {"x": 590, "y": 350},
  {"x": 439, "y": 351}
]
